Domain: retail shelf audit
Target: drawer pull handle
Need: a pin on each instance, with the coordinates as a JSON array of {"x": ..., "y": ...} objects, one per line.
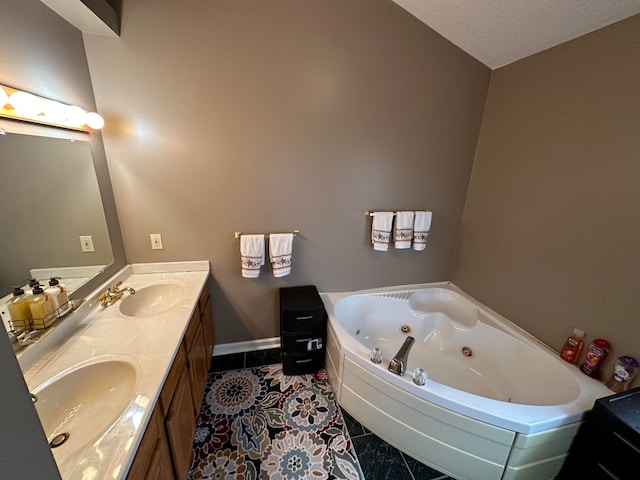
[
  {"x": 624, "y": 440},
  {"x": 608, "y": 472},
  {"x": 306, "y": 360},
  {"x": 308, "y": 317},
  {"x": 303, "y": 340}
]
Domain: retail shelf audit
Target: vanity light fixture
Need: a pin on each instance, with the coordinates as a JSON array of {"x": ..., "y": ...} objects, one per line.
[{"x": 18, "y": 105}]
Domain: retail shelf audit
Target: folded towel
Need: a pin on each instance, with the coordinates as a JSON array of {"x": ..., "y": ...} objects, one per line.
[
  {"x": 251, "y": 255},
  {"x": 403, "y": 229},
  {"x": 421, "y": 227},
  {"x": 381, "y": 230},
  {"x": 280, "y": 248}
]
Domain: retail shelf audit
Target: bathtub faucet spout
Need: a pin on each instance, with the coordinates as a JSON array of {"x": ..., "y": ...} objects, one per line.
[{"x": 399, "y": 363}]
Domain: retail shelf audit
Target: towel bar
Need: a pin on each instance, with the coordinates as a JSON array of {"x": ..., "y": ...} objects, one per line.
[
  {"x": 371, "y": 213},
  {"x": 239, "y": 234}
]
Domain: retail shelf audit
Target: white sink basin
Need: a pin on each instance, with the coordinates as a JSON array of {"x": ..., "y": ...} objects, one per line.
[
  {"x": 152, "y": 300},
  {"x": 84, "y": 402}
]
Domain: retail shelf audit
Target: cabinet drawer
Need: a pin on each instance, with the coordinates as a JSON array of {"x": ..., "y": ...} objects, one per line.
[
  {"x": 303, "y": 321},
  {"x": 301, "y": 363},
  {"x": 302, "y": 343}
]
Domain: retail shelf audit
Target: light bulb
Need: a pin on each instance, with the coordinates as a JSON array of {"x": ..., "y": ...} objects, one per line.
[
  {"x": 95, "y": 121},
  {"x": 54, "y": 111},
  {"x": 4, "y": 98},
  {"x": 25, "y": 104},
  {"x": 76, "y": 116}
]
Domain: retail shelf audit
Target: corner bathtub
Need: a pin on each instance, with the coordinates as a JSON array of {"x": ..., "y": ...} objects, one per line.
[{"x": 498, "y": 403}]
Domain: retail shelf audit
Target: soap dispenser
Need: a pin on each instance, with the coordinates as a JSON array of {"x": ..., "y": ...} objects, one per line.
[
  {"x": 43, "y": 313},
  {"x": 59, "y": 297},
  {"x": 19, "y": 310}
]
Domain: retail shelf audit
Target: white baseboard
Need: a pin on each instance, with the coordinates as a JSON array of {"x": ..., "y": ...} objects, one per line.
[{"x": 248, "y": 346}]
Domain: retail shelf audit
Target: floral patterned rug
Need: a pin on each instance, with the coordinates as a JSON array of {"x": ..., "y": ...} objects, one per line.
[{"x": 257, "y": 423}]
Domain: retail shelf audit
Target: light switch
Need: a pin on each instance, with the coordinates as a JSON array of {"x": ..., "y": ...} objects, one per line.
[
  {"x": 86, "y": 241},
  {"x": 156, "y": 241}
]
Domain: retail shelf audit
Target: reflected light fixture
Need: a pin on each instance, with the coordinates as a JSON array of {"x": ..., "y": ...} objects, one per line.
[{"x": 27, "y": 107}]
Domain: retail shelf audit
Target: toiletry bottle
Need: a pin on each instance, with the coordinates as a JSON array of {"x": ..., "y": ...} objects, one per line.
[
  {"x": 19, "y": 311},
  {"x": 597, "y": 352},
  {"x": 573, "y": 346},
  {"x": 623, "y": 372},
  {"x": 59, "y": 296},
  {"x": 42, "y": 311}
]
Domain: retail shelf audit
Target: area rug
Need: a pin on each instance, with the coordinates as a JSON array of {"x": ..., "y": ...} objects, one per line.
[{"x": 257, "y": 423}]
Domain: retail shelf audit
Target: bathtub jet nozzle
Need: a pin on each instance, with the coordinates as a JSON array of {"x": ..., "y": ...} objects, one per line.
[{"x": 399, "y": 363}]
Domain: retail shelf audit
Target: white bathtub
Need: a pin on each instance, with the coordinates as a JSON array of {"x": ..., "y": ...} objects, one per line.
[{"x": 498, "y": 404}]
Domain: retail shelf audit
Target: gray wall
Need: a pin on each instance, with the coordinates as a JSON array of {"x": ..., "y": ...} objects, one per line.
[
  {"x": 271, "y": 116},
  {"x": 551, "y": 228}
]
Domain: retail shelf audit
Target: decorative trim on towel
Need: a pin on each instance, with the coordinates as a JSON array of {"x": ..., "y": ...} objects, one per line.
[
  {"x": 420, "y": 240},
  {"x": 251, "y": 266},
  {"x": 381, "y": 239},
  {"x": 281, "y": 265}
]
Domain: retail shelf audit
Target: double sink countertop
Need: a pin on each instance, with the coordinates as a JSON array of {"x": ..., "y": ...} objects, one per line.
[{"x": 146, "y": 344}]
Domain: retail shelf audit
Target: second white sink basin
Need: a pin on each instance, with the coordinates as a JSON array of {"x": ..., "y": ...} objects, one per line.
[
  {"x": 152, "y": 300},
  {"x": 80, "y": 404}
]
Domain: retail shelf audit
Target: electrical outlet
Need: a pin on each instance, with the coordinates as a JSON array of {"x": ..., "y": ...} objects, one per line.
[
  {"x": 86, "y": 241},
  {"x": 156, "y": 241}
]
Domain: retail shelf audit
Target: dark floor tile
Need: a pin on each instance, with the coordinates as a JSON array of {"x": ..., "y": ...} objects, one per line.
[
  {"x": 422, "y": 471},
  {"x": 379, "y": 460},
  {"x": 258, "y": 358},
  {"x": 354, "y": 427},
  {"x": 233, "y": 361}
]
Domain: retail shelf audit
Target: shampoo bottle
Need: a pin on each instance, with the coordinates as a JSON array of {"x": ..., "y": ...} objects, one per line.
[
  {"x": 573, "y": 346},
  {"x": 19, "y": 311},
  {"x": 43, "y": 313},
  {"x": 59, "y": 297}
]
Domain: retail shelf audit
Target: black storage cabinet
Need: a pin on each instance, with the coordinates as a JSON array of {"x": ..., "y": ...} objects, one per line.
[
  {"x": 607, "y": 446},
  {"x": 303, "y": 330}
]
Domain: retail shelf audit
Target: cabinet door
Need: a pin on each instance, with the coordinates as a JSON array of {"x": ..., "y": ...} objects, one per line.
[
  {"x": 198, "y": 368},
  {"x": 160, "y": 467},
  {"x": 152, "y": 459},
  {"x": 180, "y": 424}
]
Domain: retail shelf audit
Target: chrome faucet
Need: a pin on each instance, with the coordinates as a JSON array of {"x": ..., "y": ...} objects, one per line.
[
  {"x": 399, "y": 363},
  {"x": 112, "y": 295}
]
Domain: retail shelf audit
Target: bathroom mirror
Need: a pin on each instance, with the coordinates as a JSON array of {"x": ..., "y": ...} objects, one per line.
[{"x": 50, "y": 198}]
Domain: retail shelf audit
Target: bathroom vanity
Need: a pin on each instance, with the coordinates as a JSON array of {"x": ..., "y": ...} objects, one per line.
[{"x": 124, "y": 382}]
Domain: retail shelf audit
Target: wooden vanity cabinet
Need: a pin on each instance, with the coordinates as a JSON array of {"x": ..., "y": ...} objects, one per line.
[{"x": 165, "y": 451}]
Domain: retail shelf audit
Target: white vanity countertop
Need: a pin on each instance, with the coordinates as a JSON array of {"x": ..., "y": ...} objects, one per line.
[{"x": 95, "y": 333}]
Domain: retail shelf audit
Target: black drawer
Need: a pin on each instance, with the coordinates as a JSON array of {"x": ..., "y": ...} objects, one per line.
[
  {"x": 303, "y": 321},
  {"x": 301, "y": 363},
  {"x": 297, "y": 343}
]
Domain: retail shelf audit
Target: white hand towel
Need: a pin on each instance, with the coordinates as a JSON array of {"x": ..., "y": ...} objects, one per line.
[
  {"x": 251, "y": 254},
  {"x": 280, "y": 250},
  {"x": 381, "y": 230},
  {"x": 403, "y": 229},
  {"x": 421, "y": 227}
]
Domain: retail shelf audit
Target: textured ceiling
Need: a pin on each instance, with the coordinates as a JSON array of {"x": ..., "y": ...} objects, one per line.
[{"x": 499, "y": 32}]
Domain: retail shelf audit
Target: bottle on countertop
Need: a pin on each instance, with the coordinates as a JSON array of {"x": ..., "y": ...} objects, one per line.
[
  {"x": 59, "y": 296},
  {"x": 573, "y": 346},
  {"x": 597, "y": 352},
  {"x": 19, "y": 311},
  {"x": 623, "y": 372},
  {"x": 43, "y": 313}
]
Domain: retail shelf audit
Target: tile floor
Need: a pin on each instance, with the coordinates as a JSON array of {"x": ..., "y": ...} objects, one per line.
[{"x": 378, "y": 459}]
